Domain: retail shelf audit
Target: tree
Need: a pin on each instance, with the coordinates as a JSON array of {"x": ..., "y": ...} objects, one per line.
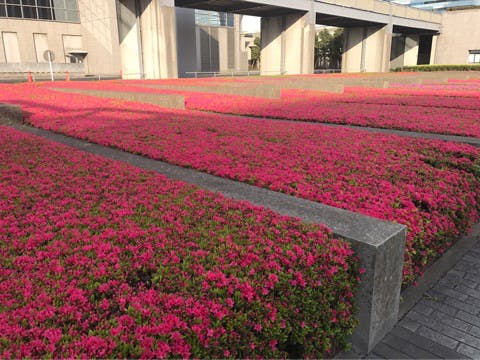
[
  {"x": 328, "y": 49},
  {"x": 255, "y": 51}
]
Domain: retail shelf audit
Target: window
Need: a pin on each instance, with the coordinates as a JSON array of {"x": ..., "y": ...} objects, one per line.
[
  {"x": 474, "y": 56},
  {"x": 10, "y": 44},
  {"x": 213, "y": 18},
  {"x": 54, "y": 10}
]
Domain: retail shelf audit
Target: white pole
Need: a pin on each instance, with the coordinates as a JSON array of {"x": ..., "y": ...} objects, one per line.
[{"x": 50, "y": 62}]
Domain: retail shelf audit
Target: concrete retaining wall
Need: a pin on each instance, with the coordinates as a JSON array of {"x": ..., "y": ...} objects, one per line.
[
  {"x": 380, "y": 245},
  {"x": 10, "y": 114},
  {"x": 42, "y": 68},
  {"x": 169, "y": 101}
]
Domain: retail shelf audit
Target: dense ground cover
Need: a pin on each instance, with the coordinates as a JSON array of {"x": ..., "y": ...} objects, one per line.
[
  {"x": 101, "y": 260},
  {"x": 430, "y": 186},
  {"x": 423, "y": 110}
]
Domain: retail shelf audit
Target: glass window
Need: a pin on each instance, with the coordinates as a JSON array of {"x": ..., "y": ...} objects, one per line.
[
  {"x": 59, "y": 4},
  {"x": 71, "y": 4},
  {"x": 14, "y": 11},
  {"x": 29, "y": 12},
  {"x": 73, "y": 16},
  {"x": 59, "y": 14},
  {"x": 57, "y": 10},
  {"x": 45, "y": 13},
  {"x": 474, "y": 56}
]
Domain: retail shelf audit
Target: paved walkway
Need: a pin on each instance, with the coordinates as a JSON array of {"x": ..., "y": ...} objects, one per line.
[{"x": 445, "y": 323}]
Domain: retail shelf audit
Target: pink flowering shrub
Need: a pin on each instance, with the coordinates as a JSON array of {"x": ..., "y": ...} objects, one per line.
[
  {"x": 456, "y": 113},
  {"x": 432, "y": 187},
  {"x": 101, "y": 260}
]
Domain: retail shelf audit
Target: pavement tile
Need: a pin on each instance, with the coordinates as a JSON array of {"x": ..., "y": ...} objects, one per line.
[
  {"x": 471, "y": 319},
  {"x": 463, "y": 305},
  {"x": 437, "y": 337},
  {"x": 407, "y": 348},
  {"x": 437, "y": 305},
  {"x": 409, "y": 324},
  {"x": 469, "y": 351},
  {"x": 389, "y": 352},
  {"x": 426, "y": 344},
  {"x": 452, "y": 293}
]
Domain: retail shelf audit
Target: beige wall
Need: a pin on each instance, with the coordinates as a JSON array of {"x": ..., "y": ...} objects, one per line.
[
  {"x": 287, "y": 44},
  {"x": 460, "y": 33},
  {"x": 411, "y": 50},
  {"x": 98, "y": 33},
  {"x": 100, "y": 36},
  {"x": 367, "y": 49}
]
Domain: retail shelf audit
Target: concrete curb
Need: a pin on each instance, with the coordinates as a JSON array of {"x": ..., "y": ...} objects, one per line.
[
  {"x": 379, "y": 244},
  {"x": 169, "y": 101}
]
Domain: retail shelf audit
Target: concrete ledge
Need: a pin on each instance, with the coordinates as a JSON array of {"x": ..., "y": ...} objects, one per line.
[
  {"x": 10, "y": 114},
  {"x": 263, "y": 91},
  {"x": 380, "y": 245},
  {"x": 319, "y": 85},
  {"x": 171, "y": 101}
]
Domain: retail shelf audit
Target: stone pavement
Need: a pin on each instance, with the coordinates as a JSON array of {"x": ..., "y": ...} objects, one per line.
[{"x": 445, "y": 323}]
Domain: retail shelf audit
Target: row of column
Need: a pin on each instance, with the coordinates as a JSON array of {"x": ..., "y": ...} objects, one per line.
[{"x": 148, "y": 43}]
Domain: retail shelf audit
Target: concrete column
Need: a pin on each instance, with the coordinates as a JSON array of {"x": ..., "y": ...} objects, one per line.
[
  {"x": 288, "y": 44},
  {"x": 159, "y": 38},
  {"x": 367, "y": 49},
  {"x": 130, "y": 46},
  {"x": 411, "y": 50},
  {"x": 238, "y": 45},
  {"x": 187, "y": 43},
  {"x": 433, "y": 51}
]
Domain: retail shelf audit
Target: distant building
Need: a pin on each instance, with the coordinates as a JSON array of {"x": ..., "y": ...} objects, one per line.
[
  {"x": 115, "y": 37},
  {"x": 459, "y": 42},
  {"x": 440, "y": 5}
]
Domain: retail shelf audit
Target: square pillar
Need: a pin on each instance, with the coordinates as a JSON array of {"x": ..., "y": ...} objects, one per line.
[
  {"x": 433, "y": 51},
  {"x": 158, "y": 38},
  {"x": 367, "y": 49},
  {"x": 410, "y": 57},
  {"x": 288, "y": 44}
]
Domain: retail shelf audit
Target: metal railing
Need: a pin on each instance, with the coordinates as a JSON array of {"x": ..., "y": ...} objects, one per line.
[{"x": 197, "y": 74}]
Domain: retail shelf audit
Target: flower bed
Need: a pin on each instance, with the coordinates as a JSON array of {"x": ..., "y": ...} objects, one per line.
[
  {"x": 458, "y": 113},
  {"x": 101, "y": 260},
  {"x": 430, "y": 186}
]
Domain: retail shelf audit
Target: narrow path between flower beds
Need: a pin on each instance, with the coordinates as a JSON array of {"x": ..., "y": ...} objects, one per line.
[
  {"x": 445, "y": 323},
  {"x": 430, "y": 136}
]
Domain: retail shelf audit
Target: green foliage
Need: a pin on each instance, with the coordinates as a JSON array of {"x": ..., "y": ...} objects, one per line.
[
  {"x": 426, "y": 68},
  {"x": 328, "y": 49},
  {"x": 256, "y": 50}
]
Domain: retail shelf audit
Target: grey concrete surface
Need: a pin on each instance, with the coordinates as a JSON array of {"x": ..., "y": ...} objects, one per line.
[{"x": 170, "y": 101}]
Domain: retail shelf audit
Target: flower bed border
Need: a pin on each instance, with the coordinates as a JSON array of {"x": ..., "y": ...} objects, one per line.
[{"x": 379, "y": 244}]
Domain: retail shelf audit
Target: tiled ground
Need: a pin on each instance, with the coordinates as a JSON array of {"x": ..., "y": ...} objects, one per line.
[{"x": 445, "y": 323}]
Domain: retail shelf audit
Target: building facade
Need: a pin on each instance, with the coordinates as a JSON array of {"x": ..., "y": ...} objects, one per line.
[
  {"x": 132, "y": 38},
  {"x": 81, "y": 34},
  {"x": 154, "y": 39},
  {"x": 459, "y": 41}
]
